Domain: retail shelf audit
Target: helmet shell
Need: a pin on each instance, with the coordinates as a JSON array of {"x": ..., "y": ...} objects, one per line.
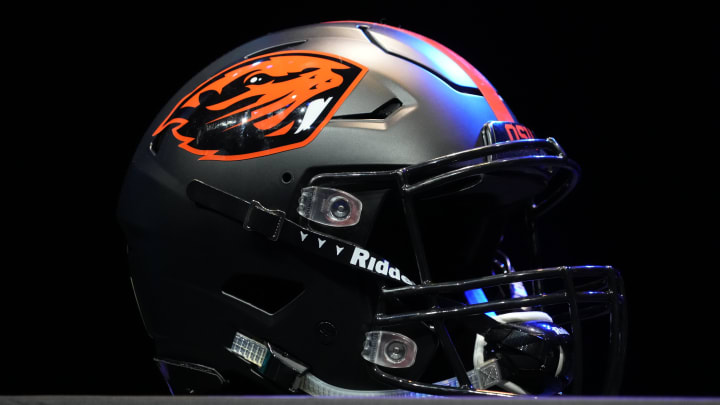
[{"x": 186, "y": 262}]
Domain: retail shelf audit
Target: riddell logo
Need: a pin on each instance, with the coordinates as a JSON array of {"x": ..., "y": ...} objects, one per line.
[{"x": 362, "y": 258}]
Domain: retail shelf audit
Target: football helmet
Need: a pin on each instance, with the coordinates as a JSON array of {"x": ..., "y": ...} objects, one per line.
[{"x": 331, "y": 210}]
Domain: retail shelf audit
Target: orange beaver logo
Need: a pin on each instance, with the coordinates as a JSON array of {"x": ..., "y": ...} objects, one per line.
[{"x": 261, "y": 106}]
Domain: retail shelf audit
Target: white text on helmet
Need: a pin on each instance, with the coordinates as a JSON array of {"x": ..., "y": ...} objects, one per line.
[{"x": 362, "y": 258}]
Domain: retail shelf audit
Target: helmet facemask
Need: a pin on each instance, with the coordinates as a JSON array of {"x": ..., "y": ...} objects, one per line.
[{"x": 446, "y": 218}]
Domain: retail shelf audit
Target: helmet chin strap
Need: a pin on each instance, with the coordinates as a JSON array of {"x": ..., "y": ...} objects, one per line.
[
  {"x": 486, "y": 373},
  {"x": 314, "y": 386},
  {"x": 479, "y": 362},
  {"x": 278, "y": 367}
]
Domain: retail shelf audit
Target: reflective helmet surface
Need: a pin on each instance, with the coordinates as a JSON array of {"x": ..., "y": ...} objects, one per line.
[{"x": 330, "y": 209}]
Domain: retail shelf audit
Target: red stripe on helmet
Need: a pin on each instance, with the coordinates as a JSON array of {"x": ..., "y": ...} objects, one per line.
[{"x": 488, "y": 91}]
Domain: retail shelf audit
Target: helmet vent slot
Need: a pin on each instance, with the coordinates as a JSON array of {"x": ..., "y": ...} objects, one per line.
[
  {"x": 266, "y": 294},
  {"x": 379, "y": 43},
  {"x": 379, "y": 113}
]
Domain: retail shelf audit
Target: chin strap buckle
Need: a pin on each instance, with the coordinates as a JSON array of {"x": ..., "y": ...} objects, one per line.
[
  {"x": 488, "y": 375},
  {"x": 263, "y": 220},
  {"x": 283, "y": 370}
]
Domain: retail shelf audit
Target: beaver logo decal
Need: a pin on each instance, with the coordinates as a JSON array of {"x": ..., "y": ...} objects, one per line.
[{"x": 264, "y": 105}]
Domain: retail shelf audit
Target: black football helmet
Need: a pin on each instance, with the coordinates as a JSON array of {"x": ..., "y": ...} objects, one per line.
[{"x": 331, "y": 209}]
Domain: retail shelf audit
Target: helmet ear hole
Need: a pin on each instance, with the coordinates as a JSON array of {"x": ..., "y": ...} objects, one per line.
[{"x": 266, "y": 294}]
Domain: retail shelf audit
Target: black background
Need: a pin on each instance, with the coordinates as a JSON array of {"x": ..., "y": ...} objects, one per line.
[{"x": 630, "y": 94}]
